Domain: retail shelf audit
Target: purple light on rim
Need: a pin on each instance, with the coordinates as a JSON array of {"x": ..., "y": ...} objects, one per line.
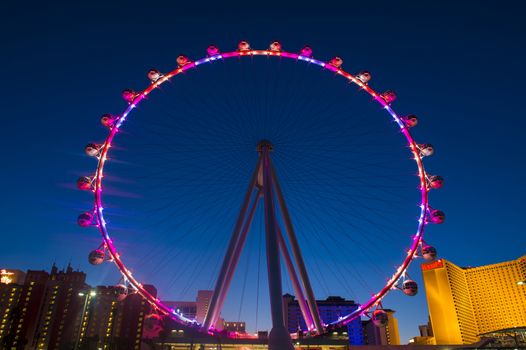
[{"x": 304, "y": 56}]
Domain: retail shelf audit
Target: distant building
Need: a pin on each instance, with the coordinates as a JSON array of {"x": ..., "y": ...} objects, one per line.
[
  {"x": 195, "y": 310},
  {"x": 466, "y": 302},
  {"x": 330, "y": 309},
  {"x": 387, "y": 335},
  {"x": 187, "y": 308},
  {"x": 203, "y": 303},
  {"x": 236, "y": 327},
  {"x": 426, "y": 335},
  {"x": 425, "y": 330},
  {"x": 427, "y": 340}
]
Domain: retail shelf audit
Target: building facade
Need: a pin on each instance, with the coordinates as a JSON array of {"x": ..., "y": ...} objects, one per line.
[
  {"x": 108, "y": 323},
  {"x": 29, "y": 307},
  {"x": 466, "y": 302},
  {"x": 187, "y": 308},
  {"x": 57, "y": 310},
  {"x": 330, "y": 310},
  {"x": 42, "y": 313},
  {"x": 58, "y": 318},
  {"x": 10, "y": 312},
  {"x": 386, "y": 335},
  {"x": 203, "y": 302},
  {"x": 234, "y": 327}
]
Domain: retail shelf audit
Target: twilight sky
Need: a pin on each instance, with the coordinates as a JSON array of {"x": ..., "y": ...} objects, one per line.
[{"x": 458, "y": 66}]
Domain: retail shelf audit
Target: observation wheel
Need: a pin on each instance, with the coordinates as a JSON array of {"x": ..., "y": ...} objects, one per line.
[{"x": 260, "y": 146}]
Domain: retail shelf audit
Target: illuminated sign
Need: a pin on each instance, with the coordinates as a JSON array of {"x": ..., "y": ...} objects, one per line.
[
  {"x": 433, "y": 265},
  {"x": 6, "y": 277}
]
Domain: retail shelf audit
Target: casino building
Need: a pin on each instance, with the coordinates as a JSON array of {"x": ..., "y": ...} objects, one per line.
[{"x": 466, "y": 302}]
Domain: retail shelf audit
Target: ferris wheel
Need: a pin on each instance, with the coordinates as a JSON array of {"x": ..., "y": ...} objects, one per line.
[{"x": 265, "y": 190}]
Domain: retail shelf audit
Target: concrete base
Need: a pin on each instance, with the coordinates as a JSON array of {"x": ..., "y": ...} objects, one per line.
[{"x": 279, "y": 339}]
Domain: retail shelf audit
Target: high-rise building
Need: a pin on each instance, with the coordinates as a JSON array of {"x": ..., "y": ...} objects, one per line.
[
  {"x": 130, "y": 319},
  {"x": 98, "y": 316},
  {"x": 386, "y": 335},
  {"x": 203, "y": 302},
  {"x": 330, "y": 310},
  {"x": 11, "y": 285},
  {"x": 10, "y": 312},
  {"x": 108, "y": 323},
  {"x": 29, "y": 307},
  {"x": 466, "y": 302},
  {"x": 58, "y": 320},
  {"x": 58, "y": 310},
  {"x": 43, "y": 312}
]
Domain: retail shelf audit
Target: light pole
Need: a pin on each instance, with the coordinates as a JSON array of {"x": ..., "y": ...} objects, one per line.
[{"x": 87, "y": 296}]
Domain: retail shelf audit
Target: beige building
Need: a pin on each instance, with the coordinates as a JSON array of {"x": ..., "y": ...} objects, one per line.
[{"x": 203, "y": 302}]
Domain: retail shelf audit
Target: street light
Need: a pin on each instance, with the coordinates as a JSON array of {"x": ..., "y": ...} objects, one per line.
[{"x": 92, "y": 293}]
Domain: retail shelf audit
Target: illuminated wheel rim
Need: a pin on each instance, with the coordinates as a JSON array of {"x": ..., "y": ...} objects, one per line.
[{"x": 109, "y": 244}]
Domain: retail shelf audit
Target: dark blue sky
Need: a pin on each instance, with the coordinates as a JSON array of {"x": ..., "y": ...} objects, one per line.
[{"x": 459, "y": 66}]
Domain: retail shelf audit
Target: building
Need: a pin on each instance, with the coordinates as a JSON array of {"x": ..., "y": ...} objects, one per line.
[
  {"x": 98, "y": 317},
  {"x": 130, "y": 319},
  {"x": 467, "y": 302},
  {"x": 58, "y": 310},
  {"x": 203, "y": 302},
  {"x": 387, "y": 335},
  {"x": 59, "y": 319},
  {"x": 28, "y": 310},
  {"x": 108, "y": 323},
  {"x": 41, "y": 313},
  {"x": 419, "y": 340},
  {"x": 330, "y": 310},
  {"x": 426, "y": 330},
  {"x": 195, "y": 310},
  {"x": 235, "y": 327},
  {"x": 10, "y": 312},
  {"x": 187, "y": 308}
]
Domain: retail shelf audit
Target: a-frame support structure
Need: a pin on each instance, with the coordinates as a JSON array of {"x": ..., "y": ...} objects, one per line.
[{"x": 264, "y": 185}]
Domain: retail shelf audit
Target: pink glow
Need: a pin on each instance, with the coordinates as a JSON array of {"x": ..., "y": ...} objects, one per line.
[{"x": 98, "y": 187}]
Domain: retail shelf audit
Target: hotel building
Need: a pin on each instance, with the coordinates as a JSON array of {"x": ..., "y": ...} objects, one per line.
[{"x": 465, "y": 302}]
